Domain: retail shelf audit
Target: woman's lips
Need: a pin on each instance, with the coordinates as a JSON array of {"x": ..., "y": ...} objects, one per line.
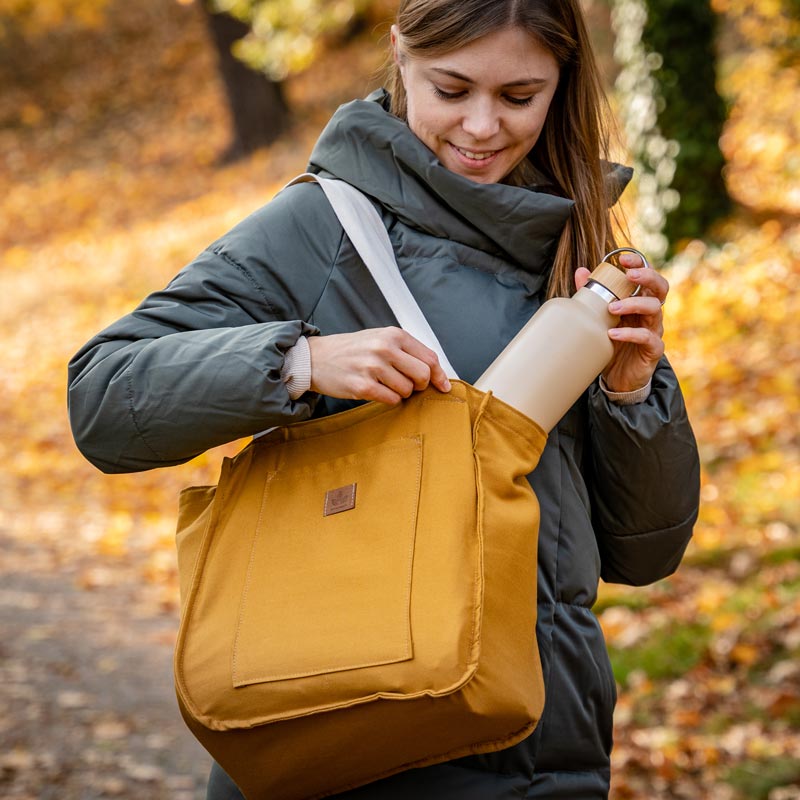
[{"x": 476, "y": 159}]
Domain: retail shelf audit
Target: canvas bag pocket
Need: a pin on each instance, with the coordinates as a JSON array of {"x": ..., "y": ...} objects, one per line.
[
  {"x": 360, "y": 554},
  {"x": 290, "y": 611}
]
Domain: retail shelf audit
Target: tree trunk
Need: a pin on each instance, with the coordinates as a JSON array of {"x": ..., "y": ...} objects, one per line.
[
  {"x": 693, "y": 113},
  {"x": 259, "y": 113}
]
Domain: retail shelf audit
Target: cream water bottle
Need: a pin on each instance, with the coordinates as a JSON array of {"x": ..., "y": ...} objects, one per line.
[{"x": 546, "y": 367}]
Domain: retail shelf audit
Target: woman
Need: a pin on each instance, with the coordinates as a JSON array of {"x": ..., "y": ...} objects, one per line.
[{"x": 486, "y": 163}]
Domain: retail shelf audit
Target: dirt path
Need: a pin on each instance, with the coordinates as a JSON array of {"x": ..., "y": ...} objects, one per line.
[{"x": 87, "y": 708}]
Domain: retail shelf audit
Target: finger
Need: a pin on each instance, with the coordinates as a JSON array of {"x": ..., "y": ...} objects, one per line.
[
  {"x": 394, "y": 380},
  {"x": 439, "y": 377},
  {"x": 650, "y": 343},
  {"x": 416, "y": 371},
  {"x": 371, "y": 388},
  {"x": 423, "y": 373},
  {"x": 651, "y": 281},
  {"x": 643, "y": 305},
  {"x": 433, "y": 372},
  {"x": 440, "y": 380},
  {"x": 582, "y": 277},
  {"x": 630, "y": 260}
]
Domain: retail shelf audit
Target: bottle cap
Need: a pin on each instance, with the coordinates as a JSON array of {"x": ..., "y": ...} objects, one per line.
[{"x": 613, "y": 278}]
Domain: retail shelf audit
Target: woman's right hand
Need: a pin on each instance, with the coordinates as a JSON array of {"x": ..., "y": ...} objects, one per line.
[{"x": 383, "y": 364}]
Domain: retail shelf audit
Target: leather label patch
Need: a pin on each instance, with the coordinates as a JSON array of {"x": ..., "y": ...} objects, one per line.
[{"x": 341, "y": 499}]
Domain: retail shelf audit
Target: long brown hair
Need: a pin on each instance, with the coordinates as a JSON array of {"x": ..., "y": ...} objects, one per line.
[{"x": 575, "y": 139}]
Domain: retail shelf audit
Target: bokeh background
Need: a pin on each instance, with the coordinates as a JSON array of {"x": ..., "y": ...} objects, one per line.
[{"x": 120, "y": 160}]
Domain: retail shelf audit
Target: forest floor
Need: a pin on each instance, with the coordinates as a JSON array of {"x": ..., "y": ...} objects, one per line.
[
  {"x": 109, "y": 183},
  {"x": 87, "y": 704}
]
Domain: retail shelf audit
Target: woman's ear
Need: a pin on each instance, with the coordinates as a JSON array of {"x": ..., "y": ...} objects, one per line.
[{"x": 395, "y": 39}]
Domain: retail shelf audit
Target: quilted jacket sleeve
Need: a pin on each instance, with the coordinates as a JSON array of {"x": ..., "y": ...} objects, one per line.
[
  {"x": 198, "y": 363},
  {"x": 645, "y": 481}
]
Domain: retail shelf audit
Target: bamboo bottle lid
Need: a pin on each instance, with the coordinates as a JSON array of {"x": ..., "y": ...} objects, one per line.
[{"x": 613, "y": 278}]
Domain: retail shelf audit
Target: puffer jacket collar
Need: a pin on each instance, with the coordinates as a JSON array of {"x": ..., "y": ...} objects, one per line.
[{"x": 376, "y": 152}]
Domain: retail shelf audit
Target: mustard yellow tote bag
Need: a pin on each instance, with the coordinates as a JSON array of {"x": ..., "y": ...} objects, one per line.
[{"x": 358, "y": 595}]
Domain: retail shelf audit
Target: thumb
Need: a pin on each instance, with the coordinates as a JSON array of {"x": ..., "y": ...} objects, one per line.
[
  {"x": 581, "y": 277},
  {"x": 439, "y": 378}
]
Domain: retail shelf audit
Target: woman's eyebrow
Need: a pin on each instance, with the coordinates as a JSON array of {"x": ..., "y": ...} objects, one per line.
[{"x": 458, "y": 76}]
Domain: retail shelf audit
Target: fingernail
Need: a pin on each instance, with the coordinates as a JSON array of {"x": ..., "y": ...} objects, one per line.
[
  {"x": 614, "y": 333},
  {"x": 633, "y": 273},
  {"x": 447, "y": 385},
  {"x": 615, "y": 307}
]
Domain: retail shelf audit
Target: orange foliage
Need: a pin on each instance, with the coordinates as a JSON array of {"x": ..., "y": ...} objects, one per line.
[
  {"x": 760, "y": 74},
  {"x": 722, "y": 637},
  {"x": 108, "y": 185},
  {"x": 106, "y": 190},
  {"x": 38, "y": 16}
]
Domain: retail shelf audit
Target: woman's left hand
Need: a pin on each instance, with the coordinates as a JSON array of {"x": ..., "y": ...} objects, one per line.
[{"x": 637, "y": 339}]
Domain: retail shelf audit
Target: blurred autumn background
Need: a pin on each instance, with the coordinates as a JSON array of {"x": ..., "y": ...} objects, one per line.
[{"x": 120, "y": 160}]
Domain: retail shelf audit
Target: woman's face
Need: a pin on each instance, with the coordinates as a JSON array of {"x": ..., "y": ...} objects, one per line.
[{"x": 481, "y": 108}]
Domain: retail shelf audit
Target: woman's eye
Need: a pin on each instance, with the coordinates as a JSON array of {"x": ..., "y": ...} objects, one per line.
[
  {"x": 515, "y": 101},
  {"x": 447, "y": 95}
]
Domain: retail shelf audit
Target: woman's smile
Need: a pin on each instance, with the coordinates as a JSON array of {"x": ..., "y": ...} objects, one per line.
[
  {"x": 481, "y": 108},
  {"x": 476, "y": 159}
]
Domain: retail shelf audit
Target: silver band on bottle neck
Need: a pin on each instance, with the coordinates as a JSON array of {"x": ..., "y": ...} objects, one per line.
[{"x": 598, "y": 288}]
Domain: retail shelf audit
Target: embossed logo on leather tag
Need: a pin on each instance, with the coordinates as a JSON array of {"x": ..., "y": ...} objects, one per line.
[{"x": 341, "y": 499}]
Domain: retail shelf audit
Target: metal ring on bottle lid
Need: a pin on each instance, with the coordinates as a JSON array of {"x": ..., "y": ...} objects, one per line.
[{"x": 630, "y": 250}]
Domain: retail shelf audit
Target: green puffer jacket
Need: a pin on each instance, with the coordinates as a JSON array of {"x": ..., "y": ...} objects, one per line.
[{"x": 198, "y": 364}]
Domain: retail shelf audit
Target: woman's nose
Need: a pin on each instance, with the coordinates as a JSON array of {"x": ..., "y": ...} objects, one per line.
[{"x": 481, "y": 121}]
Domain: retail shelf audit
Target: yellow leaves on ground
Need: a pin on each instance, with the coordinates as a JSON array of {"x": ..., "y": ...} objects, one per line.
[
  {"x": 109, "y": 186},
  {"x": 709, "y": 660}
]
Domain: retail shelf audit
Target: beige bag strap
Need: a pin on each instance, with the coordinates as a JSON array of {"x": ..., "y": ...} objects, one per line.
[{"x": 365, "y": 229}]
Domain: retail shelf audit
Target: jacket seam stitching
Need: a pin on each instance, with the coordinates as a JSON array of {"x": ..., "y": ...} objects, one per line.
[
  {"x": 532, "y": 286},
  {"x": 589, "y": 771},
  {"x": 131, "y": 408},
  {"x": 530, "y": 281},
  {"x": 656, "y": 531},
  {"x": 334, "y": 262},
  {"x": 249, "y": 277}
]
